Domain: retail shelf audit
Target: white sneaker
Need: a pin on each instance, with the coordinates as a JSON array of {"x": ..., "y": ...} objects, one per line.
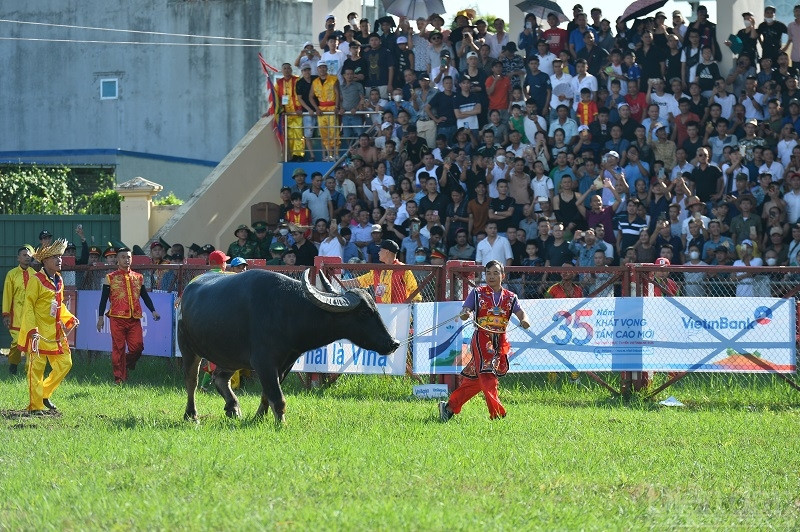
[{"x": 444, "y": 413}]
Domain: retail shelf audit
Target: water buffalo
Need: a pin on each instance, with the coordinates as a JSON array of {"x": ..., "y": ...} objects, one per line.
[{"x": 264, "y": 321}]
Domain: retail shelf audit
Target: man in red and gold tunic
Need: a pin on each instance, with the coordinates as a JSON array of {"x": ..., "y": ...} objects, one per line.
[
  {"x": 44, "y": 328},
  {"x": 14, "y": 300},
  {"x": 492, "y": 306},
  {"x": 290, "y": 105},
  {"x": 390, "y": 286},
  {"x": 124, "y": 287}
]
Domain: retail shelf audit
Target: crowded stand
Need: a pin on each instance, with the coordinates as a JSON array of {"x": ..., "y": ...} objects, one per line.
[{"x": 584, "y": 143}]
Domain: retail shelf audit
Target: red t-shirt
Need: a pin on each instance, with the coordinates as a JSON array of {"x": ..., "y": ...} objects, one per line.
[
  {"x": 638, "y": 106},
  {"x": 499, "y": 98},
  {"x": 557, "y": 38}
]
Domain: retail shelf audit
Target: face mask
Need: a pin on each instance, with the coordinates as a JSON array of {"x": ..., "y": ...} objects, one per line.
[
  {"x": 353, "y": 23},
  {"x": 500, "y": 159},
  {"x": 419, "y": 259},
  {"x": 768, "y": 20},
  {"x": 284, "y": 232},
  {"x": 694, "y": 255},
  {"x": 772, "y": 261},
  {"x": 746, "y": 23},
  {"x": 398, "y": 97}
]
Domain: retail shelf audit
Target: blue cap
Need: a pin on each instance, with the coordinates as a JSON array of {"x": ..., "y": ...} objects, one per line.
[{"x": 238, "y": 261}]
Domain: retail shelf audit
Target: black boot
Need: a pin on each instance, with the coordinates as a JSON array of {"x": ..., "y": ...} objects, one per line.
[{"x": 49, "y": 405}]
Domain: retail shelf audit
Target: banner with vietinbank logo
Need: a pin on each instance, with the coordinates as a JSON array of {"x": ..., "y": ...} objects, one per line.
[
  {"x": 625, "y": 334},
  {"x": 344, "y": 356}
]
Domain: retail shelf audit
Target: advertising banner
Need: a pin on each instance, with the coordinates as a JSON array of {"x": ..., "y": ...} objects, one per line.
[
  {"x": 345, "y": 357},
  {"x": 747, "y": 335},
  {"x": 157, "y": 334}
]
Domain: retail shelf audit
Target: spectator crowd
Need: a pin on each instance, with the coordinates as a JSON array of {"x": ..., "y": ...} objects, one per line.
[{"x": 626, "y": 139}]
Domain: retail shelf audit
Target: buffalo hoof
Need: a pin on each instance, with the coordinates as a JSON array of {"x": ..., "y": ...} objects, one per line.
[
  {"x": 190, "y": 417},
  {"x": 235, "y": 413}
]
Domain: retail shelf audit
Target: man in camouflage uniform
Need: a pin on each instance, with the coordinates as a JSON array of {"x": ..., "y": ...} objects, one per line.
[
  {"x": 243, "y": 246},
  {"x": 262, "y": 239}
]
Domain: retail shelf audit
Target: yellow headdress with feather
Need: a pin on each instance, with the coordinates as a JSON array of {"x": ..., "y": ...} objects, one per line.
[{"x": 54, "y": 249}]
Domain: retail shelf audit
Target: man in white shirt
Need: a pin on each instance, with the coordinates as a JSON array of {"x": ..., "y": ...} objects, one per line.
[
  {"x": 546, "y": 57},
  {"x": 493, "y": 247},
  {"x": 667, "y": 104},
  {"x": 334, "y": 58},
  {"x": 429, "y": 167},
  {"x": 561, "y": 84},
  {"x": 333, "y": 245},
  {"x": 582, "y": 80},
  {"x": 771, "y": 166},
  {"x": 792, "y": 199}
]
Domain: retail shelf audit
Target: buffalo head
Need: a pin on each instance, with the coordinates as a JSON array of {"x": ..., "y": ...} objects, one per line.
[{"x": 361, "y": 321}]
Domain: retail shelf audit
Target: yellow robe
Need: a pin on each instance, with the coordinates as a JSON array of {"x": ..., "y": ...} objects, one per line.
[
  {"x": 325, "y": 93},
  {"x": 45, "y": 313},
  {"x": 13, "y": 303}
]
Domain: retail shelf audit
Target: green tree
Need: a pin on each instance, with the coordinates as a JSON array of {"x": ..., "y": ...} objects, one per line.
[
  {"x": 35, "y": 190},
  {"x": 103, "y": 202},
  {"x": 169, "y": 199}
]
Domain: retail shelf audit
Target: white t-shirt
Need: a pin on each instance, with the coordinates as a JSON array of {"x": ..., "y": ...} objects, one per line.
[
  {"x": 546, "y": 63},
  {"x": 589, "y": 82},
  {"x": 750, "y": 109},
  {"x": 785, "y": 147},
  {"x": 335, "y": 62},
  {"x": 667, "y": 104},
  {"x": 431, "y": 172},
  {"x": 383, "y": 189},
  {"x": 451, "y": 72},
  {"x": 500, "y": 251},
  {"x": 776, "y": 169},
  {"x": 564, "y": 84},
  {"x": 330, "y": 248}
]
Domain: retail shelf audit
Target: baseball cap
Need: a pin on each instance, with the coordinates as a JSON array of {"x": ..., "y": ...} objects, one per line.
[
  {"x": 307, "y": 44},
  {"x": 622, "y": 104},
  {"x": 238, "y": 261},
  {"x": 386, "y": 125},
  {"x": 390, "y": 245},
  {"x": 305, "y": 66},
  {"x": 44, "y": 234},
  {"x": 298, "y": 171},
  {"x": 444, "y": 53},
  {"x": 775, "y": 231},
  {"x": 661, "y": 261},
  {"x": 402, "y": 40},
  {"x": 583, "y": 127},
  {"x": 376, "y": 228},
  {"x": 471, "y": 54},
  {"x": 218, "y": 257},
  {"x": 747, "y": 242}
]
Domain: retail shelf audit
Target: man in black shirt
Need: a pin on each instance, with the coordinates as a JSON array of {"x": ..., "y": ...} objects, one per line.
[
  {"x": 303, "y": 88},
  {"x": 707, "y": 178},
  {"x": 413, "y": 146},
  {"x": 304, "y": 249},
  {"x": 443, "y": 103},
  {"x": 501, "y": 208},
  {"x": 771, "y": 31}
]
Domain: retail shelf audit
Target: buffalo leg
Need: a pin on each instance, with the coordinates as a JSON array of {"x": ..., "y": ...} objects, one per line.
[
  {"x": 191, "y": 367},
  {"x": 222, "y": 381},
  {"x": 272, "y": 395}
]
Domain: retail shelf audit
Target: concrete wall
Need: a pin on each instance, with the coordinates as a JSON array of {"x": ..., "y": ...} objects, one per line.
[
  {"x": 179, "y": 101},
  {"x": 251, "y": 173}
]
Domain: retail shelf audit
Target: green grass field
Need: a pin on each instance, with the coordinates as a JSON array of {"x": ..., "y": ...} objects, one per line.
[{"x": 364, "y": 455}]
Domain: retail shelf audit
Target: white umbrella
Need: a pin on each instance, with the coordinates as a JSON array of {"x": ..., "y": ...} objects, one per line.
[{"x": 414, "y": 9}]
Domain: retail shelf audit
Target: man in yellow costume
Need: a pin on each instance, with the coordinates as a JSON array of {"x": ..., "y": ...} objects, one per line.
[
  {"x": 44, "y": 328},
  {"x": 290, "y": 104},
  {"x": 14, "y": 300},
  {"x": 325, "y": 99},
  {"x": 390, "y": 286}
]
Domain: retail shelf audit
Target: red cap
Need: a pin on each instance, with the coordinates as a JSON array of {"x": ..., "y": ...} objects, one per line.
[
  {"x": 218, "y": 257},
  {"x": 661, "y": 261}
]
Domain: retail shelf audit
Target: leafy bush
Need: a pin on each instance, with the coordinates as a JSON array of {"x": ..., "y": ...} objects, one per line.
[
  {"x": 102, "y": 202},
  {"x": 169, "y": 199},
  {"x": 35, "y": 190}
]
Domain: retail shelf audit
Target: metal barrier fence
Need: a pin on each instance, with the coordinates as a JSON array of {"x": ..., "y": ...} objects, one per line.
[
  {"x": 332, "y": 130},
  {"x": 454, "y": 280}
]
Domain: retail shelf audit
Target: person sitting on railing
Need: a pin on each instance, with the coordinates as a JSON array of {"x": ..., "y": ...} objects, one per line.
[{"x": 364, "y": 151}]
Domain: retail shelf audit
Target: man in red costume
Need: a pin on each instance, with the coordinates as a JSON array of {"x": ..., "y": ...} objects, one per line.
[
  {"x": 124, "y": 287},
  {"x": 492, "y": 306}
]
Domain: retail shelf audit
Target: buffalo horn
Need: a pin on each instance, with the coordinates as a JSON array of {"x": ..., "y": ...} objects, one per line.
[
  {"x": 330, "y": 302},
  {"x": 326, "y": 284}
]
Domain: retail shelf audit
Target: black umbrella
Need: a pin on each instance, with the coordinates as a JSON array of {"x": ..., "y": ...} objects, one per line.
[
  {"x": 641, "y": 8},
  {"x": 542, "y": 8}
]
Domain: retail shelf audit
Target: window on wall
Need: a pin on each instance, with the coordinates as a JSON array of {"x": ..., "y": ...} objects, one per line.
[{"x": 109, "y": 89}]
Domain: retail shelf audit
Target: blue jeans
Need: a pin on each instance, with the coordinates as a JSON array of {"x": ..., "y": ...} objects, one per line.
[
  {"x": 449, "y": 131},
  {"x": 352, "y": 127}
]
